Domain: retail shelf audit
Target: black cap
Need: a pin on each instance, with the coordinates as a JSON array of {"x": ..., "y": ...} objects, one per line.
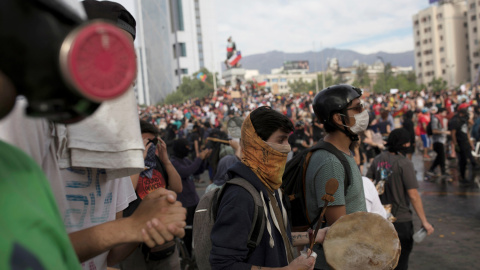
[
  {"x": 113, "y": 12},
  {"x": 397, "y": 138}
]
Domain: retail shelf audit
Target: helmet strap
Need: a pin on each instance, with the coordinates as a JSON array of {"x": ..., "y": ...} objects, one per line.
[{"x": 353, "y": 137}]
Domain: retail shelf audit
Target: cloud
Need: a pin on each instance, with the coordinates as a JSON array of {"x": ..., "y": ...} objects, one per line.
[{"x": 293, "y": 26}]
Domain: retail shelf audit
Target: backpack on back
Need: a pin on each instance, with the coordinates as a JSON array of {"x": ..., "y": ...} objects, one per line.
[
  {"x": 206, "y": 214},
  {"x": 293, "y": 184},
  {"x": 429, "y": 125}
]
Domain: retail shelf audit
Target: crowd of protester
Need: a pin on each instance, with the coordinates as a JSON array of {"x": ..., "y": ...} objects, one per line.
[{"x": 196, "y": 119}]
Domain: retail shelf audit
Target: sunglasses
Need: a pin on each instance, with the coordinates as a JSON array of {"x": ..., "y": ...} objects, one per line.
[{"x": 359, "y": 108}]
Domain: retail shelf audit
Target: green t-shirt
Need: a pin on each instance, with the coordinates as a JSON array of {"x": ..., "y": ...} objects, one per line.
[
  {"x": 32, "y": 235},
  {"x": 323, "y": 166}
]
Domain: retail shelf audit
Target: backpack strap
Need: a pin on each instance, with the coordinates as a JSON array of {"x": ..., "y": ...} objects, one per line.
[
  {"x": 339, "y": 155},
  {"x": 258, "y": 223}
]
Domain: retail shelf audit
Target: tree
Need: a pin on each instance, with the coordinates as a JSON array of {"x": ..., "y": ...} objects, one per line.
[
  {"x": 438, "y": 84},
  {"x": 328, "y": 80},
  {"x": 192, "y": 87},
  {"x": 301, "y": 86},
  {"x": 362, "y": 79},
  {"x": 403, "y": 82}
]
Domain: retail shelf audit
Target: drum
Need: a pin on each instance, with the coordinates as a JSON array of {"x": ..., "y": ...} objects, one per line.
[{"x": 362, "y": 241}]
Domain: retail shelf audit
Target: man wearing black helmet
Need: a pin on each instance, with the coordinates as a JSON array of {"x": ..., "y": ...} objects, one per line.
[{"x": 341, "y": 112}]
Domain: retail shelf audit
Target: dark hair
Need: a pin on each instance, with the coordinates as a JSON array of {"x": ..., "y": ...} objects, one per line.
[
  {"x": 266, "y": 121},
  {"x": 146, "y": 127}
]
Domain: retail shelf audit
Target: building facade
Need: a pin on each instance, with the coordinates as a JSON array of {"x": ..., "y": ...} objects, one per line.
[
  {"x": 176, "y": 39},
  {"x": 441, "y": 43},
  {"x": 473, "y": 18}
]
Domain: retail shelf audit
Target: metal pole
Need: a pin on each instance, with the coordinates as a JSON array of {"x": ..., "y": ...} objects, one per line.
[
  {"x": 323, "y": 70},
  {"x": 384, "y": 73},
  {"x": 315, "y": 62},
  {"x": 213, "y": 72}
]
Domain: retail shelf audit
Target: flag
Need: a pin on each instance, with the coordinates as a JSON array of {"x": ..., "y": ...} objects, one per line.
[
  {"x": 262, "y": 83},
  {"x": 234, "y": 59},
  {"x": 432, "y": 1},
  {"x": 202, "y": 76}
]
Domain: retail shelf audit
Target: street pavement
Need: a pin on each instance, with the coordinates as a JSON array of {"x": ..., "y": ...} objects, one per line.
[{"x": 453, "y": 209}]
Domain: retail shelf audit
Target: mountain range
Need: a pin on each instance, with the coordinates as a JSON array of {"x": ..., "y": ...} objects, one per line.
[{"x": 265, "y": 62}]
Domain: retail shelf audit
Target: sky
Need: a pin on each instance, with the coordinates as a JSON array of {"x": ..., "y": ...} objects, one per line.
[{"x": 368, "y": 26}]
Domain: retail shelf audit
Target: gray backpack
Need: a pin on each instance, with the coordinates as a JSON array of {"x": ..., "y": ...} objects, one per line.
[{"x": 206, "y": 213}]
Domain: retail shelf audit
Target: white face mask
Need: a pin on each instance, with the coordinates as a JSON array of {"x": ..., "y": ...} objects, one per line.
[
  {"x": 361, "y": 122},
  {"x": 282, "y": 148}
]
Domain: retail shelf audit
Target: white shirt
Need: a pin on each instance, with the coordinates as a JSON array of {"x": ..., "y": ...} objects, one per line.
[{"x": 371, "y": 198}]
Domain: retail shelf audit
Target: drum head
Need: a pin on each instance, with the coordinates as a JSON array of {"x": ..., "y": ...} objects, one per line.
[{"x": 362, "y": 241}]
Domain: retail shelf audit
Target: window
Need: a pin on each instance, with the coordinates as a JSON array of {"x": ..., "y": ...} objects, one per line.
[
  {"x": 475, "y": 54},
  {"x": 439, "y": 15},
  {"x": 183, "y": 71},
  {"x": 418, "y": 33},
  {"x": 476, "y": 41},
  {"x": 473, "y": 18},
  {"x": 420, "y": 75},
  {"x": 443, "y": 71},
  {"x": 420, "y": 64},
  {"x": 440, "y": 27},
  {"x": 416, "y": 23},
  {"x": 418, "y": 43},
  {"x": 442, "y": 60},
  {"x": 474, "y": 29},
  {"x": 419, "y": 54},
  {"x": 441, "y": 49},
  {"x": 178, "y": 15},
  {"x": 182, "y": 50},
  {"x": 283, "y": 80},
  {"x": 465, "y": 25},
  {"x": 274, "y": 80},
  {"x": 441, "y": 37},
  {"x": 425, "y": 41}
]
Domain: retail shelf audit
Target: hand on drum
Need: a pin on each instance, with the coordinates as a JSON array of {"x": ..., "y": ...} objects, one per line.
[
  {"x": 428, "y": 227},
  {"x": 321, "y": 235}
]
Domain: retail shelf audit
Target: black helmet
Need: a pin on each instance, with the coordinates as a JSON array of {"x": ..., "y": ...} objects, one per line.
[{"x": 333, "y": 99}]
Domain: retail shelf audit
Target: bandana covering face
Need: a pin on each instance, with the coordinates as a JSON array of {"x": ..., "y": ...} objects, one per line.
[{"x": 267, "y": 163}]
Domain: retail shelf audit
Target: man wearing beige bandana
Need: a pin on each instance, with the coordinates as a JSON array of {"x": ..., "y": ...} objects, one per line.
[{"x": 264, "y": 144}]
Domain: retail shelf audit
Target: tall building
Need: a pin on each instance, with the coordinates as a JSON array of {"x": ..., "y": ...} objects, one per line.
[
  {"x": 442, "y": 43},
  {"x": 176, "y": 39},
  {"x": 473, "y": 18}
]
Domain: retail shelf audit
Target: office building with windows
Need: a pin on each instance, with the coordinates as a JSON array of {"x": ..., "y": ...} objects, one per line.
[
  {"x": 473, "y": 19},
  {"x": 441, "y": 43},
  {"x": 175, "y": 38}
]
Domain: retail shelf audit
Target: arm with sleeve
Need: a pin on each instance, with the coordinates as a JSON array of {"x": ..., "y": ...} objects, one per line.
[{"x": 230, "y": 231}]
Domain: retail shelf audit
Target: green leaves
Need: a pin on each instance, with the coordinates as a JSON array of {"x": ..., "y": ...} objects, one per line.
[{"x": 192, "y": 87}]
